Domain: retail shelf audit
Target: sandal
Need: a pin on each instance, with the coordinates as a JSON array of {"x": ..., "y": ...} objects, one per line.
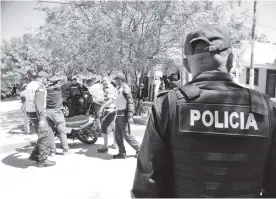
[{"x": 102, "y": 150}]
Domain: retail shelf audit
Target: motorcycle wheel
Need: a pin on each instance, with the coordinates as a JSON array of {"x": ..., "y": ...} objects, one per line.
[
  {"x": 66, "y": 110},
  {"x": 87, "y": 136}
]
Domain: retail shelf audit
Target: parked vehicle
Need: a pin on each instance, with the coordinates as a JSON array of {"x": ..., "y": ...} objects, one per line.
[{"x": 81, "y": 128}]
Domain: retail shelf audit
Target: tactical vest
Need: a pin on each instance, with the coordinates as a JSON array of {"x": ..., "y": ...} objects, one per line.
[
  {"x": 219, "y": 142},
  {"x": 75, "y": 90},
  {"x": 30, "y": 95}
]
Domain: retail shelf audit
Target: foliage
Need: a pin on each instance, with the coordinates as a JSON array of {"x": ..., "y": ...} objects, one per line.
[{"x": 102, "y": 37}]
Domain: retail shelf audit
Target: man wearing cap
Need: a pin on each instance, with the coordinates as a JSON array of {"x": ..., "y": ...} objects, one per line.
[
  {"x": 36, "y": 111},
  {"x": 55, "y": 116},
  {"x": 211, "y": 137},
  {"x": 125, "y": 109},
  {"x": 107, "y": 113}
]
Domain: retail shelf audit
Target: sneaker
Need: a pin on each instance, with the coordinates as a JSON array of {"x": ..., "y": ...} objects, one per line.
[
  {"x": 67, "y": 152},
  {"x": 103, "y": 150},
  {"x": 113, "y": 146},
  {"x": 32, "y": 158},
  {"x": 52, "y": 154},
  {"x": 119, "y": 156},
  {"x": 46, "y": 163}
]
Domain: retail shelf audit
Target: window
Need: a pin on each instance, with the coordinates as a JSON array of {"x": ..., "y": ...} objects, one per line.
[{"x": 256, "y": 76}]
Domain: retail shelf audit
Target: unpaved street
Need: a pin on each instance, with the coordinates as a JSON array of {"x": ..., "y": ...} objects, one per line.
[{"x": 82, "y": 174}]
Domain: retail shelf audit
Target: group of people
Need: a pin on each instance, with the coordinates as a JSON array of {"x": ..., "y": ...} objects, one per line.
[
  {"x": 42, "y": 106},
  {"x": 208, "y": 138}
]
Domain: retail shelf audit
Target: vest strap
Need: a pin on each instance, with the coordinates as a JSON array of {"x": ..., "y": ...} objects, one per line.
[
  {"x": 258, "y": 102},
  {"x": 172, "y": 109},
  {"x": 189, "y": 91}
]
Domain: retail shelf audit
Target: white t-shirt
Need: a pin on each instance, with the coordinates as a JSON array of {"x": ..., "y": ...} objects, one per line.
[{"x": 97, "y": 93}]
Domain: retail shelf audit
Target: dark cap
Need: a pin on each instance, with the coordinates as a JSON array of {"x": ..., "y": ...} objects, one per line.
[
  {"x": 217, "y": 36},
  {"x": 42, "y": 74},
  {"x": 120, "y": 76}
]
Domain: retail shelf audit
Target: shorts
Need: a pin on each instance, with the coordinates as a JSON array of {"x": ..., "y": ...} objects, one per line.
[{"x": 108, "y": 121}]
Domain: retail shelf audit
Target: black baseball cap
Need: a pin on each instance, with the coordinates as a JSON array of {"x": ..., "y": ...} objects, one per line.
[{"x": 217, "y": 36}]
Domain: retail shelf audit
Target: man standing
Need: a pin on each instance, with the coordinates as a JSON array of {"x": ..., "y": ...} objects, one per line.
[
  {"x": 211, "y": 137},
  {"x": 107, "y": 112},
  {"x": 76, "y": 94},
  {"x": 23, "y": 109},
  {"x": 36, "y": 111},
  {"x": 125, "y": 108},
  {"x": 14, "y": 90},
  {"x": 140, "y": 99},
  {"x": 96, "y": 91},
  {"x": 55, "y": 117}
]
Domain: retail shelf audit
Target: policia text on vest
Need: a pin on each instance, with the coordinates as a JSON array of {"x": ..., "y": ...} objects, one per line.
[{"x": 220, "y": 119}]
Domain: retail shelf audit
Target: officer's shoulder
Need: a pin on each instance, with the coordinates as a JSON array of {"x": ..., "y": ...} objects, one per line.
[{"x": 162, "y": 94}]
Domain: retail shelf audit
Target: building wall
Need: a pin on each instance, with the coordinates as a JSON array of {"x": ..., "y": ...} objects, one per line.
[{"x": 262, "y": 79}]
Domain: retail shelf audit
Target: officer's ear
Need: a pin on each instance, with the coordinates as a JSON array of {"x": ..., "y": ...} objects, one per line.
[
  {"x": 229, "y": 63},
  {"x": 186, "y": 64}
]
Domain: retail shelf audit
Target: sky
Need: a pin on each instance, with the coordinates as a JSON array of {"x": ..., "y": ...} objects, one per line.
[{"x": 19, "y": 17}]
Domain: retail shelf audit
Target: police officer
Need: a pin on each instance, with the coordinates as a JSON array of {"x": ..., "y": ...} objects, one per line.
[
  {"x": 36, "y": 111},
  {"x": 76, "y": 94},
  {"x": 55, "y": 116},
  {"x": 211, "y": 137}
]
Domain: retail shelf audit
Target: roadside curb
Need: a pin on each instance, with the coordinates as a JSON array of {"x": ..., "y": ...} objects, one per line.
[{"x": 11, "y": 147}]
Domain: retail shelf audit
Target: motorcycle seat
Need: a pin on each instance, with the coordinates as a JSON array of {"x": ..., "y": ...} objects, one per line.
[{"x": 77, "y": 120}]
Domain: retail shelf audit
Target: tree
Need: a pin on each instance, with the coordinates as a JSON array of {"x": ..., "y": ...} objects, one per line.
[{"x": 102, "y": 37}]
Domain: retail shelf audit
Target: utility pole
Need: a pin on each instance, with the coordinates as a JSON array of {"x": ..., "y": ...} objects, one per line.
[{"x": 251, "y": 79}]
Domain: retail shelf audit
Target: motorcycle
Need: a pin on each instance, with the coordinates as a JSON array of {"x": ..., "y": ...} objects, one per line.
[
  {"x": 81, "y": 127},
  {"x": 83, "y": 107}
]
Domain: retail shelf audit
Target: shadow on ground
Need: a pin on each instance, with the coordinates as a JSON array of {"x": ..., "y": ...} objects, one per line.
[
  {"x": 91, "y": 151},
  {"x": 16, "y": 160},
  {"x": 19, "y": 130}
]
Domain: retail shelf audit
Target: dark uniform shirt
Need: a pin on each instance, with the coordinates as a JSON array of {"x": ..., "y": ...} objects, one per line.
[
  {"x": 76, "y": 90},
  {"x": 153, "y": 176}
]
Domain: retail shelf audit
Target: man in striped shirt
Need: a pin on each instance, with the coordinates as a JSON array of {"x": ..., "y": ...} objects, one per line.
[{"x": 107, "y": 112}]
